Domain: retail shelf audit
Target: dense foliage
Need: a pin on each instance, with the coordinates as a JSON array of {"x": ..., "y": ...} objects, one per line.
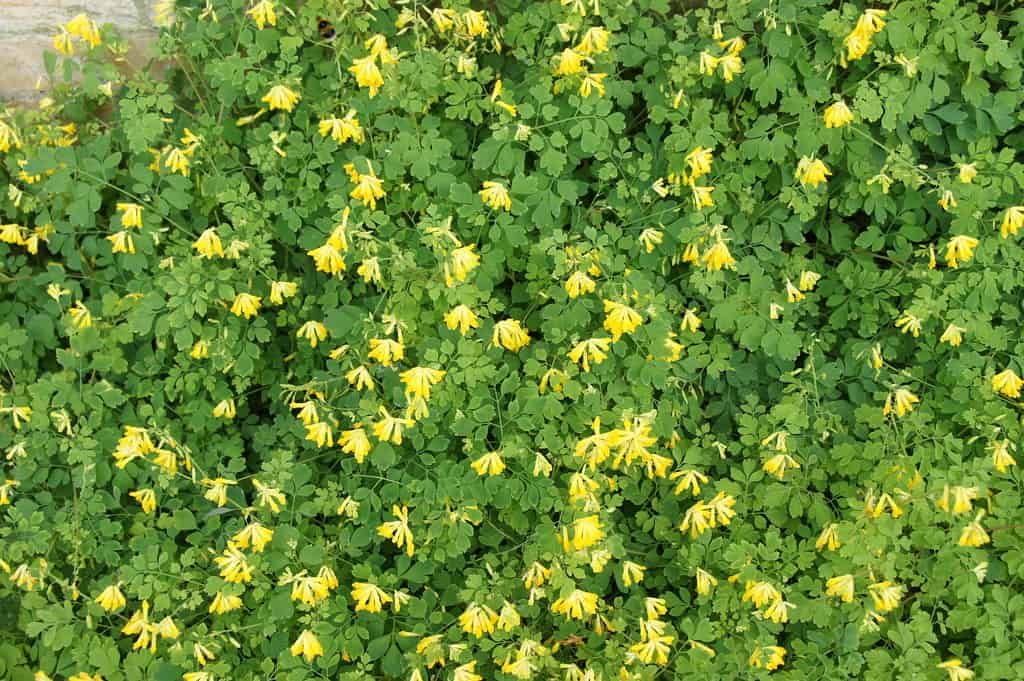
[{"x": 543, "y": 340}]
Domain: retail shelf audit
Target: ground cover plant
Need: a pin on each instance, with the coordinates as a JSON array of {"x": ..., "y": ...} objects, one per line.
[{"x": 517, "y": 340}]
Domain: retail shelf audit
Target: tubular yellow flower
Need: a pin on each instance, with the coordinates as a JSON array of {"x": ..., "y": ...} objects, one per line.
[
  {"x": 356, "y": 443},
  {"x": 320, "y": 433},
  {"x": 327, "y": 258},
  {"x": 246, "y": 305},
  {"x": 793, "y": 294},
  {"x": 808, "y": 280},
  {"x": 570, "y": 62},
  {"x": 131, "y": 214},
  {"x": 876, "y": 356},
  {"x": 121, "y": 242},
  {"x": 490, "y": 463},
  {"x": 510, "y": 334},
  {"x": 688, "y": 479},
  {"x": 465, "y": 672},
  {"x": 223, "y": 603},
  {"x": 208, "y": 244},
  {"x": 702, "y": 197},
  {"x": 576, "y": 605},
  {"x": 307, "y": 645},
  {"x": 418, "y": 381},
  {"x": 146, "y": 498},
  {"x": 708, "y": 63},
  {"x": 269, "y": 496},
  {"x": 263, "y": 14},
  {"x": 177, "y": 161},
  {"x": 579, "y": 284},
  {"x": 620, "y": 319},
  {"x": 967, "y": 172},
  {"x": 281, "y": 97},
  {"x": 654, "y": 650},
  {"x": 462, "y": 318},
  {"x": 1007, "y": 383},
  {"x": 225, "y": 409},
  {"x": 253, "y": 534},
  {"x": 111, "y": 598},
  {"x": 368, "y": 189},
  {"x": 760, "y": 594},
  {"x": 496, "y": 196},
  {"x": 389, "y": 428},
  {"x": 952, "y": 335},
  {"x": 974, "y": 534},
  {"x": 731, "y": 65},
  {"x": 1001, "y": 457},
  {"x": 279, "y": 290},
  {"x": 960, "y": 247},
  {"x": 829, "y": 538},
  {"x": 398, "y": 531},
  {"x": 697, "y": 519},
  {"x": 594, "y": 41},
  {"x": 591, "y": 350},
  {"x": 699, "y": 160},
  {"x": 779, "y": 464},
  {"x": 718, "y": 257},
  {"x": 476, "y": 23},
  {"x": 705, "y": 582},
  {"x": 234, "y": 568},
  {"x": 312, "y": 331},
  {"x": 842, "y": 587},
  {"x": 478, "y": 620},
  {"x": 367, "y": 74},
  {"x": 947, "y": 201},
  {"x": 812, "y": 171},
  {"x": 885, "y": 595},
  {"x": 956, "y": 670},
  {"x": 901, "y": 400},
  {"x": 369, "y": 597},
  {"x": 908, "y": 323},
  {"x": 838, "y": 115},
  {"x": 386, "y": 351},
  {"x": 586, "y": 532},
  {"x": 464, "y": 261},
  {"x": 1013, "y": 220},
  {"x": 592, "y": 82}
]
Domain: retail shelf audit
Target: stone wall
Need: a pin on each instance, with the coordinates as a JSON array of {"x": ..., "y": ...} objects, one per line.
[{"x": 27, "y": 28}]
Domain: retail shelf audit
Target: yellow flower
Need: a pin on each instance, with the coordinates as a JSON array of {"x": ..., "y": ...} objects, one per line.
[
  {"x": 281, "y": 97},
  {"x": 496, "y": 196},
  {"x": 594, "y": 41},
  {"x": 464, "y": 261},
  {"x": 812, "y": 171},
  {"x": 579, "y": 284},
  {"x": 478, "y": 620},
  {"x": 368, "y": 189},
  {"x": 956, "y": 670},
  {"x": 327, "y": 259},
  {"x": 760, "y": 594},
  {"x": 886, "y": 595},
  {"x": 697, "y": 519},
  {"x": 344, "y": 129},
  {"x": 576, "y": 605},
  {"x": 510, "y": 334},
  {"x": 263, "y": 14},
  {"x": 947, "y": 201},
  {"x": 702, "y": 197},
  {"x": 131, "y": 214},
  {"x": 1013, "y": 220},
  {"x": 200, "y": 350},
  {"x": 718, "y": 257},
  {"x": 202, "y": 654},
  {"x": 586, "y": 532},
  {"x": 462, "y": 318},
  {"x": 708, "y": 63},
  {"x": 731, "y": 65},
  {"x": 139, "y": 624},
  {"x": 688, "y": 479},
  {"x": 177, "y": 161},
  {"x": 8, "y": 138},
  {"x": 389, "y": 428},
  {"x": 367, "y": 74},
  {"x": 208, "y": 244},
  {"x": 223, "y": 603},
  {"x": 1001, "y": 457},
  {"x": 699, "y": 161},
  {"x": 841, "y": 587},
  {"x": 778, "y": 611},
  {"x": 255, "y": 534},
  {"x": 466, "y": 672},
  {"x": 398, "y": 531},
  {"x": 269, "y": 496},
  {"x": 418, "y": 381},
  {"x": 225, "y": 409},
  {"x": 443, "y": 18},
  {"x": 908, "y": 323},
  {"x": 1007, "y": 383},
  {"x": 320, "y": 433},
  {"x": 778, "y": 464},
  {"x": 967, "y": 172},
  {"x": 705, "y": 582},
  {"x": 808, "y": 280},
  {"x": 369, "y": 597},
  {"x": 654, "y": 650},
  {"x": 386, "y": 351},
  {"x": 776, "y": 657},
  {"x": 360, "y": 378},
  {"x": 960, "y": 247},
  {"x": 146, "y": 498},
  {"x": 121, "y": 242},
  {"x": 829, "y": 538},
  {"x": 307, "y": 645},
  {"x": 369, "y": 270},
  {"x": 312, "y": 331},
  {"x": 218, "y": 492},
  {"x": 246, "y": 305},
  {"x": 234, "y": 568},
  {"x": 111, "y": 598},
  {"x": 649, "y": 238},
  {"x": 489, "y": 464},
  {"x": 620, "y": 319},
  {"x": 356, "y": 443},
  {"x": 952, "y": 335},
  {"x": 279, "y": 290},
  {"x": 592, "y": 350},
  {"x": 909, "y": 65},
  {"x": 476, "y": 23},
  {"x": 974, "y": 534},
  {"x": 593, "y": 82},
  {"x": 793, "y": 294},
  {"x": 63, "y": 44},
  {"x": 838, "y": 115},
  {"x": 902, "y": 399},
  {"x": 570, "y": 62}
]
